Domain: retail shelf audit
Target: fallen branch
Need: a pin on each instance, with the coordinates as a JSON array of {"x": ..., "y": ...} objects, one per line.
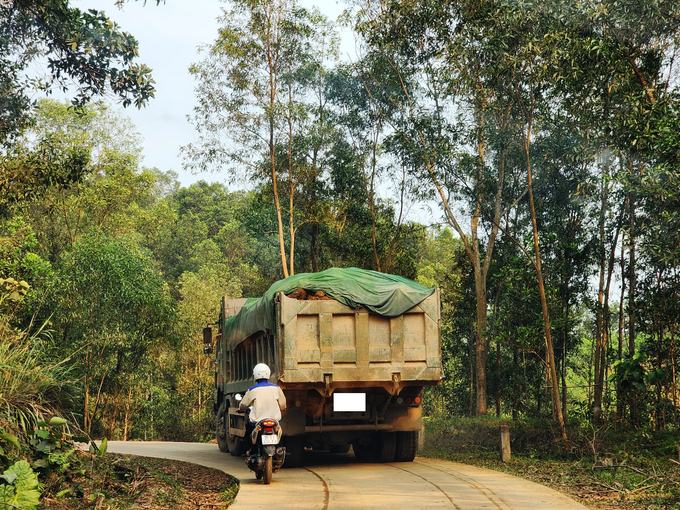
[
  {"x": 616, "y": 466},
  {"x": 645, "y": 488},
  {"x": 612, "y": 489}
]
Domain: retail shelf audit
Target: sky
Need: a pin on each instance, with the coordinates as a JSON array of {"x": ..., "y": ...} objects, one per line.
[{"x": 169, "y": 35}]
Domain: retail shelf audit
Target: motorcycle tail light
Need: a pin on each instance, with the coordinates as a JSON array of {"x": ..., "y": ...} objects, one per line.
[{"x": 268, "y": 423}]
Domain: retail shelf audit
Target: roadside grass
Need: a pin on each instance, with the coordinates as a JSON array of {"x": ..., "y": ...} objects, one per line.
[
  {"x": 602, "y": 468},
  {"x": 229, "y": 494}
]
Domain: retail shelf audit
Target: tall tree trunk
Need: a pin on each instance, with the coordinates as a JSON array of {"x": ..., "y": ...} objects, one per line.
[
  {"x": 277, "y": 204},
  {"x": 114, "y": 417},
  {"x": 564, "y": 366},
  {"x": 371, "y": 196},
  {"x": 481, "y": 343},
  {"x": 291, "y": 184},
  {"x": 619, "y": 399},
  {"x": 632, "y": 276},
  {"x": 515, "y": 370},
  {"x": 128, "y": 407},
  {"x": 621, "y": 300},
  {"x": 498, "y": 379},
  {"x": 527, "y": 118},
  {"x": 87, "y": 426},
  {"x": 674, "y": 379},
  {"x": 498, "y": 350},
  {"x": 271, "y": 49},
  {"x": 600, "y": 326},
  {"x": 550, "y": 353},
  {"x": 471, "y": 354}
]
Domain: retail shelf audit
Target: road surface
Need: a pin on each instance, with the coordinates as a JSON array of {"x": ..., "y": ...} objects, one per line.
[{"x": 340, "y": 482}]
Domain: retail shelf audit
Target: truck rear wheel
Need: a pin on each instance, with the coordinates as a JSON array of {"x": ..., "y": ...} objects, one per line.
[
  {"x": 387, "y": 443},
  {"x": 360, "y": 452},
  {"x": 343, "y": 448},
  {"x": 221, "y": 429},
  {"x": 235, "y": 445},
  {"x": 407, "y": 445}
]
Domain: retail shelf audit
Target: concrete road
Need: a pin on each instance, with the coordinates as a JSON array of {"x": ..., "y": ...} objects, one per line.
[{"x": 340, "y": 482}]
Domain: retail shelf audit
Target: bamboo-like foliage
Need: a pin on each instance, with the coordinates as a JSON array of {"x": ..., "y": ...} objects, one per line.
[{"x": 30, "y": 386}]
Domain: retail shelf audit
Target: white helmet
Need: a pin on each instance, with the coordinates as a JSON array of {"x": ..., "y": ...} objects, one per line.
[{"x": 261, "y": 371}]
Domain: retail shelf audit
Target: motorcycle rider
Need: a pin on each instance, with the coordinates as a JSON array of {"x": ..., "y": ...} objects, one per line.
[{"x": 265, "y": 399}]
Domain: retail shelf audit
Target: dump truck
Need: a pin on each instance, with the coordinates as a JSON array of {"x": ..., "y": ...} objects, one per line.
[{"x": 352, "y": 351}]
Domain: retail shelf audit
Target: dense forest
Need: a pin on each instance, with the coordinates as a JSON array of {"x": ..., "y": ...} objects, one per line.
[{"x": 545, "y": 134}]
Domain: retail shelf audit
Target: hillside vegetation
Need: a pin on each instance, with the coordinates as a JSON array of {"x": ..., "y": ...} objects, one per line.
[{"x": 542, "y": 137}]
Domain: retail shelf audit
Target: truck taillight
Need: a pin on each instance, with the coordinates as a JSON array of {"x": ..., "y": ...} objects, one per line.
[{"x": 409, "y": 401}]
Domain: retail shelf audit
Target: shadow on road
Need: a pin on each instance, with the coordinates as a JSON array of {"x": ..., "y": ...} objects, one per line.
[{"x": 314, "y": 458}]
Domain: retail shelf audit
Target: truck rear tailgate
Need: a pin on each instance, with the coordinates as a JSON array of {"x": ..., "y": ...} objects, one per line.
[{"x": 319, "y": 339}]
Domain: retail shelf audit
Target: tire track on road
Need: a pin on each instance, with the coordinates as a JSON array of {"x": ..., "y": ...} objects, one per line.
[
  {"x": 326, "y": 491},
  {"x": 428, "y": 481},
  {"x": 485, "y": 491}
]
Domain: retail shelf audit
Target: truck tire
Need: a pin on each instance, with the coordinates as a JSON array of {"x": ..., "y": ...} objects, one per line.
[
  {"x": 221, "y": 430},
  {"x": 343, "y": 448},
  {"x": 386, "y": 446},
  {"x": 295, "y": 447},
  {"x": 360, "y": 452},
  {"x": 235, "y": 445},
  {"x": 407, "y": 445}
]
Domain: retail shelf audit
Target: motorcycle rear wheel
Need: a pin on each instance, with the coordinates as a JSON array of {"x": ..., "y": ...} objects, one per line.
[{"x": 267, "y": 475}]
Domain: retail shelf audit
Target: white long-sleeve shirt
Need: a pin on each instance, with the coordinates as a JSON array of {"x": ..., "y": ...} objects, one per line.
[{"x": 267, "y": 401}]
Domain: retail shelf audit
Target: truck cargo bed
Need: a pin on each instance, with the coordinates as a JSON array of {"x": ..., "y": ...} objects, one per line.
[{"x": 318, "y": 339}]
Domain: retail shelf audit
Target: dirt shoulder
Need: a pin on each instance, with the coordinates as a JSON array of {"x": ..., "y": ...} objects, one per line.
[
  {"x": 129, "y": 482},
  {"x": 603, "y": 487}
]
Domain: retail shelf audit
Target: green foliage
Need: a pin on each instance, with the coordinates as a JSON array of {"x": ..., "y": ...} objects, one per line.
[
  {"x": 83, "y": 49},
  {"x": 629, "y": 468},
  {"x": 28, "y": 173},
  {"x": 124, "y": 266},
  {"x": 114, "y": 309},
  {"x": 20, "y": 487},
  {"x": 636, "y": 382},
  {"x": 30, "y": 383},
  {"x": 229, "y": 494},
  {"x": 53, "y": 448}
]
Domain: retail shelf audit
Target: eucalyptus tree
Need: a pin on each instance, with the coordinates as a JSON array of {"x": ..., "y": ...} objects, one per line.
[
  {"x": 253, "y": 87},
  {"x": 364, "y": 95},
  {"x": 453, "y": 126},
  {"x": 614, "y": 69}
]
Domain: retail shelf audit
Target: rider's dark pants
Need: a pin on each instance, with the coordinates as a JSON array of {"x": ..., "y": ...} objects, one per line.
[{"x": 247, "y": 442}]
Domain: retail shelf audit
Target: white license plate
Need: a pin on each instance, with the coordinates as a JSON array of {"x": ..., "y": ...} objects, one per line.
[
  {"x": 270, "y": 439},
  {"x": 349, "y": 402}
]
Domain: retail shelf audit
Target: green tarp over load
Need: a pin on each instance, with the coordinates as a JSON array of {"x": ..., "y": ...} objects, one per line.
[{"x": 385, "y": 294}]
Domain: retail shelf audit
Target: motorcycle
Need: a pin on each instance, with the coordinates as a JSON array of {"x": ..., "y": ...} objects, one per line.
[{"x": 266, "y": 456}]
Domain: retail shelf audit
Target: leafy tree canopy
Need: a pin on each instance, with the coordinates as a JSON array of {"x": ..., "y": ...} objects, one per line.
[{"x": 84, "y": 49}]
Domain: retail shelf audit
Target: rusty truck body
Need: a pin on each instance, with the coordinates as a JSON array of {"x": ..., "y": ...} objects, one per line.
[{"x": 351, "y": 376}]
